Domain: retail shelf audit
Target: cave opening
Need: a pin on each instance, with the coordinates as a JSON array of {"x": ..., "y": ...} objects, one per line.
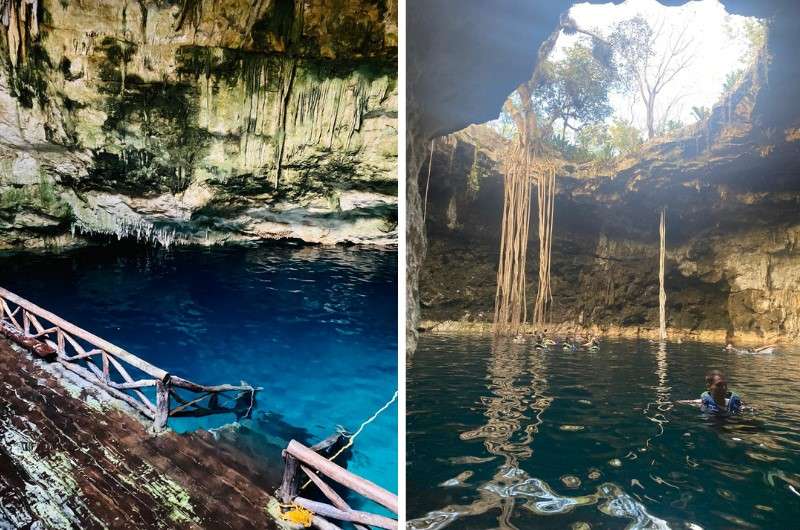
[{"x": 641, "y": 107}]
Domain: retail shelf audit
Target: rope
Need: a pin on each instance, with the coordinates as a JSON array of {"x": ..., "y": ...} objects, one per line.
[
  {"x": 662, "y": 294},
  {"x": 352, "y": 437},
  {"x": 427, "y": 185},
  {"x": 296, "y": 514}
]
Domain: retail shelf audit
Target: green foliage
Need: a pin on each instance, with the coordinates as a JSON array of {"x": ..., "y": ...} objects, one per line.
[
  {"x": 731, "y": 79},
  {"x": 632, "y": 42},
  {"x": 595, "y": 142},
  {"x": 41, "y": 197},
  {"x": 574, "y": 90},
  {"x": 755, "y": 32},
  {"x": 701, "y": 113},
  {"x": 601, "y": 142},
  {"x": 670, "y": 127},
  {"x": 625, "y": 138}
]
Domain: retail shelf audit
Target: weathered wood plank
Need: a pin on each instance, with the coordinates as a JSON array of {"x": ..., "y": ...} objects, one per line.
[
  {"x": 82, "y": 467},
  {"x": 329, "y": 492},
  {"x": 290, "y": 482},
  {"x": 323, "y": 524},
  {"x": 354, "y": 516},
  {"x": 162, "y": 407},
  {"x": 89, "y": 376},
  {"x": 358, "y": 484},
  {"x": 183, "y": 383}
]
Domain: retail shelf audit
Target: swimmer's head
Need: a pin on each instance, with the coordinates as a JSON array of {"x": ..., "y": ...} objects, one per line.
[{"x": 716, "y": 383}]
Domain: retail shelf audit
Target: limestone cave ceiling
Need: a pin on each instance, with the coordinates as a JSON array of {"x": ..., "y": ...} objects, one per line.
[{"x": 200, "y": 121}]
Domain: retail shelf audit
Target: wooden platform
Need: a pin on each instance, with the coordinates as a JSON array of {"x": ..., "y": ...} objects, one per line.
[{"x": 66, "y": 465}]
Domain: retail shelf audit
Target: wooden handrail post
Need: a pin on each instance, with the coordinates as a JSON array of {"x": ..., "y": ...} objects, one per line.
[
  {"x": 290, "y": 484},
  {"x": 162, "y": 406},
  {"x": 52, "y": 342},
  {"x": 105, "y": 367}
]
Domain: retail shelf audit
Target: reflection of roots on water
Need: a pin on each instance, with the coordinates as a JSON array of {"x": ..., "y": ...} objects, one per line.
[
  {"x": 663, "y": 402},
  {"x": 514, "y": 413},
  {"x": 511, "y": 483}
]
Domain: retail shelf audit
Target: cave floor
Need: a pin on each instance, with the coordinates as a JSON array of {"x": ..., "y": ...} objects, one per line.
[{"x": 68, "y": 462}]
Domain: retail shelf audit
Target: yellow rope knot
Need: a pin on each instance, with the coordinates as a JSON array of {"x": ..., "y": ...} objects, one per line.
[{"x": 297, "y": 514}]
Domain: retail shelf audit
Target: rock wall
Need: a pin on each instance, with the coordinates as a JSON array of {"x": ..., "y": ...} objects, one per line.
[
  {"x": 198, "y": 121},
  {"x": 740, "y": 166},
  {"x": 732, "y": 195}
]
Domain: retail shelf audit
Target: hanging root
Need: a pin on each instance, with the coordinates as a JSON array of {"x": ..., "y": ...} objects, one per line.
[
  {"x": 510, "y": 304},
  {"x": 522, "y": 170},
  {"x": 546, "y": 198}
]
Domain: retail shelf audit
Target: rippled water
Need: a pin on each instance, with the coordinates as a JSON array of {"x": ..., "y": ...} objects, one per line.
[
  {"x": 511, "y": 437},
  {"x": 316, "y": 327}
]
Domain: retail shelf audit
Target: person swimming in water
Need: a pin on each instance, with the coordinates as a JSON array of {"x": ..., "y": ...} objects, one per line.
[{"x": 717, "y": 399}]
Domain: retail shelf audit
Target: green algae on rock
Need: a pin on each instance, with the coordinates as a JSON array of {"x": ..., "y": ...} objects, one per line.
[{"x": 202, "y": 119}]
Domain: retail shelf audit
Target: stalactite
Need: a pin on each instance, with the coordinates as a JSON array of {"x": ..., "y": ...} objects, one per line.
[
  {"x": 662, "y": 294},
  {"x": 282, "y": 129},
  {"x": 20, "y": 20},
  {"x": 191, "y": 10},
  {"x": 125, "y": 226}
]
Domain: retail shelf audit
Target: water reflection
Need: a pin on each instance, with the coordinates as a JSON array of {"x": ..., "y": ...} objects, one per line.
[
  {"x": 517, "y": 379},
  {"x": 513, "y": 413},
  {"x": 581, "y": 436}
]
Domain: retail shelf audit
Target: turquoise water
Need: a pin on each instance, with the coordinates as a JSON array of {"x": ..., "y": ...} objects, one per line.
[
  {"x": 497, "y": 436},
  {"x": 316, "y": 327}
]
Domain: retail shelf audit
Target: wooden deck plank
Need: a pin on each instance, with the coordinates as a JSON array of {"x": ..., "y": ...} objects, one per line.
[{"x": 69, "y": 464}]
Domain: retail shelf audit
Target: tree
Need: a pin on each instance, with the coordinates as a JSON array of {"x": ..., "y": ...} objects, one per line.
[
  {"x": 574, "y": 91},
  {"x": 625, "y": 138},
  {"x": 670, "y": 126},
  {"x": 645, "y": 67},
  {"x": 594, "y": 141}
]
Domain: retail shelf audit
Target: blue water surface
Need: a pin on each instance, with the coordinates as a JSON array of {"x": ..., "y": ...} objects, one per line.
[{"x": 315, "y": 326}]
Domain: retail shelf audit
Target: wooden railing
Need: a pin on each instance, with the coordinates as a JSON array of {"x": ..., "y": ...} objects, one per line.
[
  {"x": 314, "y": 464},
  {"x": 104, "y": 364}
]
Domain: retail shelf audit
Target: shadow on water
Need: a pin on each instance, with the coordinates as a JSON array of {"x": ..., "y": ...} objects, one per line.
[{"x": 501, "y": 434}]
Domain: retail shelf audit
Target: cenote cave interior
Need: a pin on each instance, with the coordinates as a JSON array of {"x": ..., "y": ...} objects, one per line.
[
  {"x": 198, "y": 264},
  {"x": 603, "y": 214}
]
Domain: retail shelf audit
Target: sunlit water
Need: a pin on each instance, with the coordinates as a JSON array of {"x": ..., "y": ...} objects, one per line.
[
  {"x": 316, "y": 327},
  {"x": 496, "y": 437}
]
